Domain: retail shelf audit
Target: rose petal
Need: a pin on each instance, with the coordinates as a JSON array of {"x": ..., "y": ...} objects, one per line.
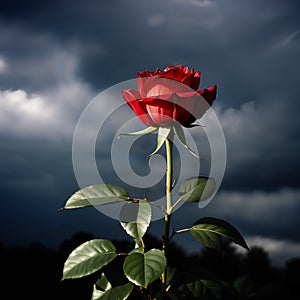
[
  {"x": 185, "y": 107},
  {"x": 196, "y": 81},
  {"x": 189, "y": 107},
  {"x": 175, "y": 74},
  {"x": 161, "y": 111},
  {"x": 142, "y": 78},
  {"x": 157, "y": 86},
  {"x": 170, "y": 94},
  {"x": 188, "y": 80},
  {"x": 133, "y": 99},
  {"x": 209, "y": 94}
]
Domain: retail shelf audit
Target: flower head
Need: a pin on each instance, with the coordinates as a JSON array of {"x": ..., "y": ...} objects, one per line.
[{"x": 169, "y": 95}]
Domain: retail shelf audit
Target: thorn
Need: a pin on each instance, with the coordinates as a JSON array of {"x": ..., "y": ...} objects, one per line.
[{"x": 174, "y": 182}]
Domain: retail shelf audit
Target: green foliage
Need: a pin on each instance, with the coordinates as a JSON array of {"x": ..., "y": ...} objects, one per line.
[
  {"x": 98, "y": 194},
  {"x": 170, "y": 274},
  {"x": 163, "y": 133},
  {"x": 204, "y": 288},
  {"x": 147, "y": 130},
  {"x": 244, "y": 287},
  {"x": 197, "y": 189},
  {"x": 102, "y": 283},
  {"x": 196, "y": 289},
  {"x": 181, "y": 137},
  {"x": 104, "y": 291},
  {"x": 210, "y": 230},
  {"x": 89, "y": 258},
  {"x": 144, "y": 268},
  {"x": 135, "y": 218}
]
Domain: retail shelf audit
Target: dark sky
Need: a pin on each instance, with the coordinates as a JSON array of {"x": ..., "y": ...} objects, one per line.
[{"x": 56, "y": 56}]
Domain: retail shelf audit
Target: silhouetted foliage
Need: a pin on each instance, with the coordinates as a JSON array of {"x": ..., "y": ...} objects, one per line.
[{"x": 35, "y": 272}]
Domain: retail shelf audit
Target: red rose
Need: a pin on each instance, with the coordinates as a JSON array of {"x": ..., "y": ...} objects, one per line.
[{"x": 169, "y": 95}]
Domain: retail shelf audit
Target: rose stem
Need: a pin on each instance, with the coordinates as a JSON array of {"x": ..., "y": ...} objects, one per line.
[{"x": 169, "y": 173}]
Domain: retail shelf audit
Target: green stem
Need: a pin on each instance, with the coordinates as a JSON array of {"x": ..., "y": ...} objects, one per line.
[
  {"x": 169, "y": 153},
  {"x": 169, "y": 173}
]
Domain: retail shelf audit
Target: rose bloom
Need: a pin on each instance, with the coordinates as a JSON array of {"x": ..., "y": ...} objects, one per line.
[{"x": 169, "y": 95}]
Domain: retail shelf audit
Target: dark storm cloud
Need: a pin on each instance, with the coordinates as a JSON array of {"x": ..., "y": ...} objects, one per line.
[
  {"x": 36, "y": 180},
  {"x": 34, "y": 61},
  {"x": 114, "y": 39},
  {"x": 262, "y": 145}
]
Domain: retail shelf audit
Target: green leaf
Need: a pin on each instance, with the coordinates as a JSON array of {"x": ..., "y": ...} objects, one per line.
[
  {"x": 243, "y": 286},
  {"x": 163, "y": 133},
  {"x": 142, "y": 269},
  {"x": 207, "y": 238},
  {"x": 98, "y": 194},
  {"x": 170, "y": 274},
  {"x": 102, "y": 283},
  {"x": 120, "y": 292},
  {"x": 143, "y": 131},
  {"x": 197, "y": 189},
  {"x": 138, "y": 249},
  {"x": 210, "y": 230},
  {"x": 89, "y": 258},
  {"x": 205, "y": 288},
  {"x": 181, "y": 137},
  {"x": 135, "y": 218},
  {"x": 190, "y": 286}
]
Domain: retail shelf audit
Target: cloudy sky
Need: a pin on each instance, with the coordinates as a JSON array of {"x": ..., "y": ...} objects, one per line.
[{"x": 56, "y": 56}]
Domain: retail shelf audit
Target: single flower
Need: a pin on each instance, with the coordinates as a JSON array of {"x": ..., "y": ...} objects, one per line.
[{"x": 169, "y": 95}]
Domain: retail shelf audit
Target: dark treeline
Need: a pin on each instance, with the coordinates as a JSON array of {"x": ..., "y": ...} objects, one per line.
[{"x": 35, "y": 272}]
